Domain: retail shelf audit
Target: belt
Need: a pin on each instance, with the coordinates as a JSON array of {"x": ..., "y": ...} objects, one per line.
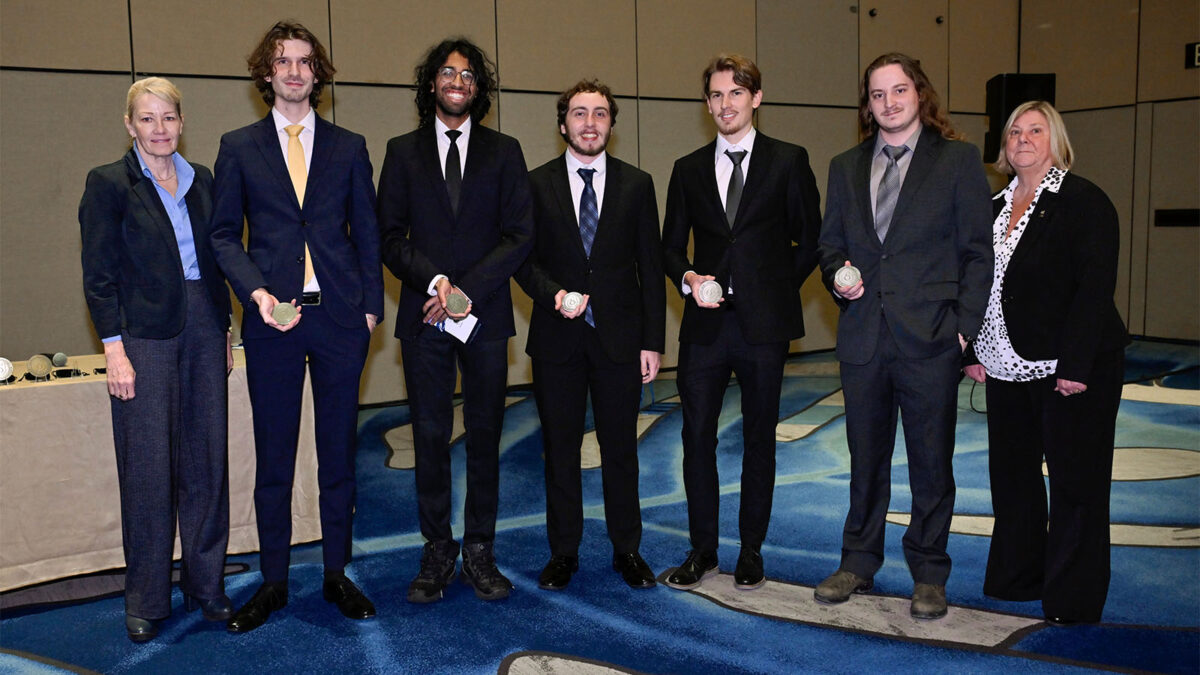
[{"x": 313, "y": 298}]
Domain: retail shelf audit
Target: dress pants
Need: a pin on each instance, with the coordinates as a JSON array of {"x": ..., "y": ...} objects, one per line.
[
  {"x": 561, "y": 391},
  {"x": 924, "y": 392},
  {"x": 275, "y": 368},
  {"x": 1066, "y": 565},
  {"x": 703, "y": 379},
  {"x": 171, "y": 441},
  {"x": 432, "y": 361}
]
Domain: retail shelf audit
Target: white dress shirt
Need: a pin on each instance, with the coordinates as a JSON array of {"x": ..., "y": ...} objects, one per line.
[
  {"x": 600, "y": 164},
  {"x": 306, "y": 141}
]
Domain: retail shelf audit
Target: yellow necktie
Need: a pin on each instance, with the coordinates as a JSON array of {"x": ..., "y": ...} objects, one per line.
[{"x": 299, "y": 174}]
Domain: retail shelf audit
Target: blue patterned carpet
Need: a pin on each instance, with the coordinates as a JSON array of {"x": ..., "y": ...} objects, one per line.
[{"x": 1151, "y": 621}]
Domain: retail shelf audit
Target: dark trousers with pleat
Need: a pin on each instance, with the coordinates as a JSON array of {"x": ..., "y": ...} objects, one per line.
[
  {"x": 561, "y": 390},
  {"x": 432, "y": 361},
  {"x": 703, "y": 379},
  {"x": 171, "y": 441},
  {"x": 1061, "y": 554},
  {"x": 923, "y": 392}
]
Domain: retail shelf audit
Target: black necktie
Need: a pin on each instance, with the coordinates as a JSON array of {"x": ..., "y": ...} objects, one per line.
[
  {"x": 453, "y": 170},
  {"x": 734, "y": 195},
  {"x": 889, "y": 190},
  {"x": 589, "y": 218}
]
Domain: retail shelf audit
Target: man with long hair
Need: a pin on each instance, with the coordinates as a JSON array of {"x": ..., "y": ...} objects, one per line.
[
  {"x": 303, "y": 186},
  {"x": 909, "y": 208},
  {"x": 455, "y": 223},
  {"x": 750, "y": 206}
]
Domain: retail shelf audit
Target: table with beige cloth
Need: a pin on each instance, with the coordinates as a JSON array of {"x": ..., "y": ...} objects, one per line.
[{"x": 60, "y": 509}]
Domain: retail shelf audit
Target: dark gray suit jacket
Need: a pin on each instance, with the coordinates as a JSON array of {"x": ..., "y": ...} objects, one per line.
[{"x": 930, "y": 278}]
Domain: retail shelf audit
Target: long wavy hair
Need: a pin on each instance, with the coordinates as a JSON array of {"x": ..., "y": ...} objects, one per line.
[
  {"x": 930, "y": 109},
  {"x": 261, "y": 61},
  {"x": 426, "y": 77}
]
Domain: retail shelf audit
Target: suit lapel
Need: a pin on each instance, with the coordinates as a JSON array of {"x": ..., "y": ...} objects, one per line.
[
  {"x": 560, "y": 186},
  {"x": 431, "y": 166},
  {"x": 708, "y": 180},
  {"x": 762, "y": 162},
  {"x": 612, "y": 200},
  {"x": 267, "y": 139},
  {"x": 323, "y": 143},
  {"x": 862, "y": 188},
  {"x": 147, "y": 194},
  {"x": 928, "y": 147},
  {"x": 480, "y": 151}
]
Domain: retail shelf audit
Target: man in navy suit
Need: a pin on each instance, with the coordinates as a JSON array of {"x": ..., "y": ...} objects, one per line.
[
  {"x": 751, "y": 208},
  {"x": 304, "y": 188},
  {"x": 909, "y": 208},
  {"x": 455, "y": 218},
  {"x": 597, "y": 235}
]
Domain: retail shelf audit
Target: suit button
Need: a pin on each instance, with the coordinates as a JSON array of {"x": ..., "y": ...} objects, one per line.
[
  {"x": 878, "y": 294},
  {"x": 883, "y": 257},
  {"x": 300, "y": 260},
  {"x": 733, "y": 240},
  {"x": 304, "y": 223}
]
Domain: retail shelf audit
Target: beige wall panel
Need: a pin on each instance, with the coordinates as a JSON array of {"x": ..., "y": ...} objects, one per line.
[
  {"x": 669, "y": 130},
  {"x": 983, "y": 44},
  {"x": 808, "y": 51},
  {"x": 677, "y": 39},
  {"x": 213, "y": 38},
  {"x": 65, "y": 34},
  {"x": 824, "y": 133},
  {"x": 1166, "y": 26},
  {"x": 383, "y": 40},
  {"x": 41, "y": 288},
  {"x": 549, "y": 45},
  {"x": 1173, "y": 263},
  {"x": 1090, "y": 44},
  {"x": 908, "y": 26},
  {"x": 213, "y": 107},
  {"x": 1103, "y": 141},
  {"x": 1135, "y": 313}
]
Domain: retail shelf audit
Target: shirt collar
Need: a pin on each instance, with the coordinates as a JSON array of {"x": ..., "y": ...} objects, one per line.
[
  {"x": 441, "y": 129},
  {"x": 1052, "y": 181},
  {"x": 184, "y": 173},
  {"x": 600, "y": 163},
  {"x": 309, "y": 122},
  {"x": 910, "y": 142},
  {"x": 747, "y": 143}
]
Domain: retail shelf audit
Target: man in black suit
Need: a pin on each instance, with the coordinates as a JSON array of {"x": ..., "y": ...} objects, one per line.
[
  {"x": 597, "y": 235},
  {"x": 909, "y": 208},
  {"x": 455, "y": 220},
  {"x": 751, "y": 206},
  {"x": 304, "y": 187}
]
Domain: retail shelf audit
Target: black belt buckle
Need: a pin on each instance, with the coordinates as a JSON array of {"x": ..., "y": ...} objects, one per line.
[{"x": 313, "y": 298}]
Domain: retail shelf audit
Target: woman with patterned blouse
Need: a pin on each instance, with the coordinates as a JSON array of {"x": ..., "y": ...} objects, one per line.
[{"x": 1052, "y": 353}]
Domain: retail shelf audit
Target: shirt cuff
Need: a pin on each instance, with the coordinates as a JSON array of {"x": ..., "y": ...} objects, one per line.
[
  {"x": 684, "y": 286},
  {"x": 114, "y": 338},
  {"x": 432, "y": 290}
]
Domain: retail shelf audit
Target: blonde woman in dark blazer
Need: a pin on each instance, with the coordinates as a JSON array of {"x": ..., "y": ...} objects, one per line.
[{"x": 1052, "y": 353}]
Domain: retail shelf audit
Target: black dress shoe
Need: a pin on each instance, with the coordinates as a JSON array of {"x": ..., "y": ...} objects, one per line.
[
  {"x": 698, "y": 566},
  {"x": 270, "y": 597},
  {"x": 557, "y": 573},
  {"x": 217, "y": 609},
  {"x": 634, "y": 570},
  {"x": 139, "y": 629},
  {"x": 349, "y": 599},
  {"x": 748, "y": 575}
]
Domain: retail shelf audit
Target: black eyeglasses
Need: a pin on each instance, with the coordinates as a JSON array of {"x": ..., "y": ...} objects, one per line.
[{"x": 448, "y": 74}]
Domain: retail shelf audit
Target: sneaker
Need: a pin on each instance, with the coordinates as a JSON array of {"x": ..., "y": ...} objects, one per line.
[
  {"x": 479, "y": 570},
  {"x": 439, "y": 563}
]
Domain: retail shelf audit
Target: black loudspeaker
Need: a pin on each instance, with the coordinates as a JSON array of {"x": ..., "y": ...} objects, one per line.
[{"x": 1006, "y": 92}]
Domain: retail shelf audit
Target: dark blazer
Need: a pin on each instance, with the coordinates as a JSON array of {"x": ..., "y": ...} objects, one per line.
[
  {"x": 337, "y": 222},
  {"x": 780, "y": 206},
  {"x": 1058, "y": 289},
  {"x": 479, "y": 249},
  {"x": 132, "y": 275},
  {"x": 931, "y": 277},
  {"x": 623, "y": 276}
]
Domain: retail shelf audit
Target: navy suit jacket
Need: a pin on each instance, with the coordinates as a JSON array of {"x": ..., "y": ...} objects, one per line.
[
  {"x": 132, "y": 274},
  {"x": 770, "y": 250},
  {"x": 479, "y": 249},
  {"x": 623, "y": 275},
  {"x": 931, "y": 276},
  {"x": 337, "y": 222}
]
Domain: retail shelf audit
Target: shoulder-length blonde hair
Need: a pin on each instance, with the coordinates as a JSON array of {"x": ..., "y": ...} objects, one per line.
[{"x": 1060, "y": 143}]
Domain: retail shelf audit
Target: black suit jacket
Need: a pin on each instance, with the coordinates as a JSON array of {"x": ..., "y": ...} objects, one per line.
[
  {"x": 1058, "y": 289},
  {"x": 623, "y": 275},
  {"x": 132, "y": 274},
  {"x": 769, "y": 252},
  {"x": 252, "y": 186},
  {"x": 479, "y": 249},
  {"x": 930, "y": 278}
]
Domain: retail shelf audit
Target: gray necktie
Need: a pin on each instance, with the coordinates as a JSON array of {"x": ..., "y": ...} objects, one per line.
[
  {"x": 889, "y": 190},
  {"x": 734, "y": 195}
]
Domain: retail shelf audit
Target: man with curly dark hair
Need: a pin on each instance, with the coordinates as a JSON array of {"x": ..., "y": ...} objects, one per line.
[{"x": 455, "y": 221}]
